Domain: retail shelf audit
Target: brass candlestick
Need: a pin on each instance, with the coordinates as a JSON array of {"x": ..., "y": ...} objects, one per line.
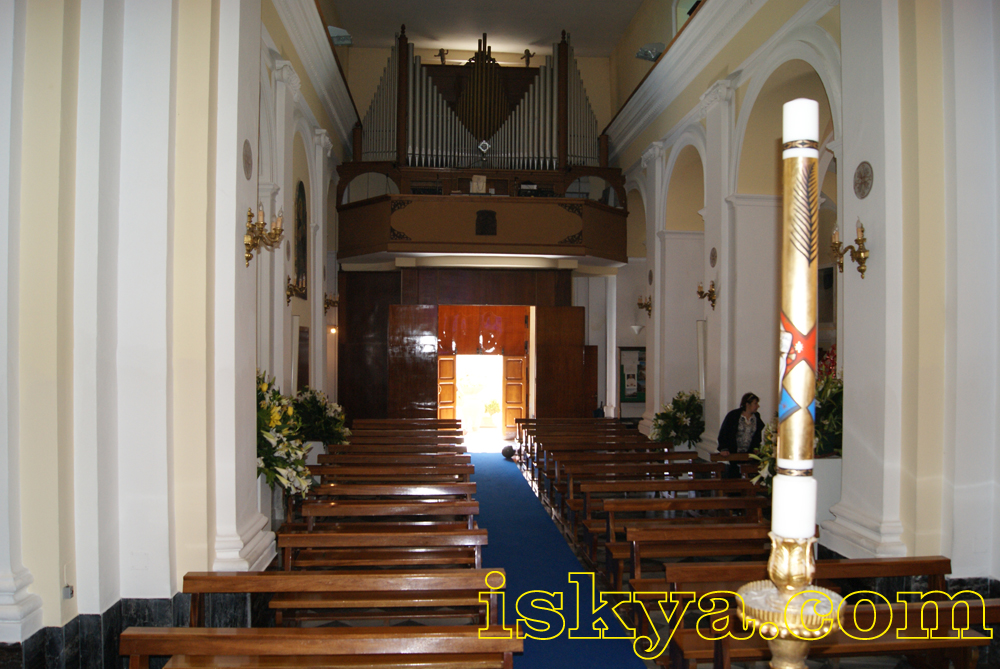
[
  {"x": 257, "y": 236},
  {"x": 858, "y": 255}
]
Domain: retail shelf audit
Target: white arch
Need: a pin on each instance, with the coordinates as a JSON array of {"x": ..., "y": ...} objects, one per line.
[
  {"x": 811, "y": 44},
  {"x": 693, "y": 135}
]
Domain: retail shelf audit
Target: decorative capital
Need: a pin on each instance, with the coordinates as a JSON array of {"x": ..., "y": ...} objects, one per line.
[
  {"x": 656, "y": 151},
  {"x": 721, "y": 91},
  {"x": 284, "y": 72},
  {"x": 322, "y": 138}
]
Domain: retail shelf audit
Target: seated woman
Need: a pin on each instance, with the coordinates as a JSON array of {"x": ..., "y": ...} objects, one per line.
[{"x": 741, "y": 432}]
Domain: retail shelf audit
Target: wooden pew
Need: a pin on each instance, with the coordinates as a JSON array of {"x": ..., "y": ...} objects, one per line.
[
  {"x": 383, "y": 546},
  {"x": 406, "y": 423},
  {"x": 579, "y": 473},
  {"x": 371, "y": 509},
  {"x": 390, "y": 490},
  {"x": 394, "y": 459},
  {"x": 945, "y": 646},
  {"x": 364, "y": 449},
  {"x": 407, "y": 594},
  {"x": 393, "y": 473},
  {"x": 424, "y": 647},
  {"x": 703, "y": 577}
]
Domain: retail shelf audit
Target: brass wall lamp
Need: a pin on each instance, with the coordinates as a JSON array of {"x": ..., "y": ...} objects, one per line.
[
  {"x": 859, "y": 255},
  {"x": 293, "y": 290},
  {"x": 711, "y": 294},
  {"x": 258, "y": 236},
  {"x": 646, "y": 304}
]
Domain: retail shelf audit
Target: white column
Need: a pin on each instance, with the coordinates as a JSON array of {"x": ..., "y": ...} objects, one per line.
[
  {"x": 286, "y": 85},
  {"x": 267, "y": 194},
  {"x": 867, "y": 520},
  {"x": 972, "y": 118},
  {"x": 322, "y": 158},
  {"x": 718, "y": 104},
  {"x": 20, "y": 612},
  {"x": 95, "y": 316},
  {"x": 654, "y": 163},
  {"x": 145, "y": 217},
  {"x": 241, "y": 541}
]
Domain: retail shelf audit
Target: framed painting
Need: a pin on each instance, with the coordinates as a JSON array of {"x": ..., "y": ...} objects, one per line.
[
  {"x": 632, "y": 373},
  {"x": 301, "y": 238}
]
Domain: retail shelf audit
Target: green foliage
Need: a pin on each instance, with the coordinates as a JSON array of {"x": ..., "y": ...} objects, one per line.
[
  {"x": 493, "y": 408},
  {"x": 322, "y": 420},
  {"x": 281, "y": 458},
  {"x": 683, "y": 420},
  {"x": 766, "y": 456},
  {"x": 829, "y": 407}
]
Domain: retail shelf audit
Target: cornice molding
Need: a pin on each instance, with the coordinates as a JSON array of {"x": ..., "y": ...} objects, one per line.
[
  {"x": 707, "y": 33},
  {"x": 308, "y": 34}
]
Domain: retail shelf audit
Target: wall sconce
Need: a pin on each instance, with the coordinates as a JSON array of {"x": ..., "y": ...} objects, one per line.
[
  {"x": 711, "y": 294},
  {"x": 258, "y": 236},
  {"x": 293, "y": 290},
  {"x": 859, "y": 255},
  {"x": 329, "y": 302},
  {"x": 636, "y": 329},
  {"x": 646, "y": 304}
]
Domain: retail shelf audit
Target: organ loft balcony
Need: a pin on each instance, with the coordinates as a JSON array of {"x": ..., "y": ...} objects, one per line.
[{"x": 479, "y": 159}]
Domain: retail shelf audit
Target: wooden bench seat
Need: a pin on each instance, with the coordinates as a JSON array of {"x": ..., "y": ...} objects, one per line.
[
  {"x": 688, "y": 646},
  {"x": 338, "y": 596},
  {"x": 415, "y": 547},
  {"x": 394, "y": 473},
  {"x": 388, "y": 508},
  {"x": 394, "y": 459},
  {"x": 384, "y": 490},
  {"x": 317, "y": 647},
  {"x": 367, "y": 449}
]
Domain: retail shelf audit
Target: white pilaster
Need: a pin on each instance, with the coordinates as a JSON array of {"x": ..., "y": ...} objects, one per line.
[
  {"x": 20, "y": 612},
  {"x": 682, "y": 254},
  {"x": 718, "y": 104},
  {"x": 145, "y": 217},
  {"x": 266, "y": 262},
  {"x": 611, "y": 368},
  {"x": 654, "y": 162},
  {"x": 95, "y": 317},
  {"x": 241, "y": 541},
  {"x": 867, "y": 518},
  {"x": 322, "y": 157},
  {"x": 287, "y": 89}
]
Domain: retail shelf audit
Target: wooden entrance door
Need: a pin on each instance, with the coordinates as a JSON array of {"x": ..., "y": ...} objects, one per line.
[
  {"x": 413, "y": 349},
  {"x": 515, "y": 393},
  {"x": 562, "y": 385},
  {"x": 447, "y": 387}
]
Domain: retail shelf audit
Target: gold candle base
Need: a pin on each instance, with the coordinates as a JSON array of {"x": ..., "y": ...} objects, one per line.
[{"x": 782, "y": 609}]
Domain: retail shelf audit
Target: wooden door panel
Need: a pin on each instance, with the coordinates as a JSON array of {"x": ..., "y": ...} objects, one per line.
[
  {"x": 504, "y": 329},
  {"x": 458, "y": 330},
  {"x": 413, "y": 349},
  {"x": 515, "y": 393},
  {"x": 559, "y": 368},
  {"x": 446, "y": 386}
]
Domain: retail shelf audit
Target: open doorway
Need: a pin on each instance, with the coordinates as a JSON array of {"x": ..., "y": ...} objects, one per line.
[{"x": 479, "y": 398}]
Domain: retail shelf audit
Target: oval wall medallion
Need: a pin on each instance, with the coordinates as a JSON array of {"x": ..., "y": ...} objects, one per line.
[
  {"x": 650, "y": 277},
  {"x": 713, "y": 256},
  {"x": 863, "y": 177},
  {"x": 247, "y": 159}
]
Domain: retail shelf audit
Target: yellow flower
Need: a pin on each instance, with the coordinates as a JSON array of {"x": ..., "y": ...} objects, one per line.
[
  {"x": 275, "y": 416},
  {"x": 289, "y": 411},
  {"x": 263, "y": 387}
]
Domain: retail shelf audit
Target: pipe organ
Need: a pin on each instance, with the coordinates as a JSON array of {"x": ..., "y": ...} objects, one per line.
[{"x": 551, "y": 126}]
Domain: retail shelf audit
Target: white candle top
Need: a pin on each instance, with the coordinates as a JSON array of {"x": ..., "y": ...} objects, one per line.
[{"x": 800, "y": 120}]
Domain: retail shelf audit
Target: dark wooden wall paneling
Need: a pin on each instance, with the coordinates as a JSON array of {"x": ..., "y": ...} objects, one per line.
[
  {"x": 363, "y": 315},
  {"x": 365, "y": 298},
  {"x": 413, "y": 351},
  {"x": 559, "y": 380}
]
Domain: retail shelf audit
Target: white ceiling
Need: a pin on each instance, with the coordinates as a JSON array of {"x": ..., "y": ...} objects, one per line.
[{"x": 595, "y": 26}]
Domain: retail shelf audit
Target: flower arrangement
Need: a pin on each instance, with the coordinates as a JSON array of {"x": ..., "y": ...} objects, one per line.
[
  {"x": 281, "y": 457},
  {"x": 766, "y": 456},
  {"x": 829, "y": 424},
  {"x": 683, "y": 420},
  {"x": 322, "y": 420}
]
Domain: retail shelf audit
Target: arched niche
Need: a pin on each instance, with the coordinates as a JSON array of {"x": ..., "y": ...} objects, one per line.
[
  {"x": 369, "y": 185},
  {"x": 760, "y": 154},
  {"x": 686, "y": 193}
]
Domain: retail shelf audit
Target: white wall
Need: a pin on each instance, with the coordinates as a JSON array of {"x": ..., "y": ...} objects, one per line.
[
  {"x": 682, "y": 254},
  {"x": 633, "y": 282}
]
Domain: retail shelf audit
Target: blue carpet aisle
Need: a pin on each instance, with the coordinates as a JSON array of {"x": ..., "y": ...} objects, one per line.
[{"x": 528, "y": 545}]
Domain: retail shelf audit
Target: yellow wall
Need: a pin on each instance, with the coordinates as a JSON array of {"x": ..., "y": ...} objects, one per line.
[
  {"x": 366, "y": 69},
  {"x": 651, "y": 23},
  {"x": 924, "y": 317},
  {"x": 46, "y": 295},
  {"x": 687, "y": 193},
  {"x": 636, "y": 225},
  {"x": 760, "y": 160},
  {"x": 762, "y": 24},
  {"x": 300, "y": 172},
  {"x": 596, "y": 75},
  {"x": 190, "y": 300}
]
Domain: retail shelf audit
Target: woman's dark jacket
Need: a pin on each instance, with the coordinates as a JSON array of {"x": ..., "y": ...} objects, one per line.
[{"x": 730, "y": 427}]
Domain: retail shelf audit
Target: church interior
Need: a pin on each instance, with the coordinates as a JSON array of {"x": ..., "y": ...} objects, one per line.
[{"x": 545, "y": 227}]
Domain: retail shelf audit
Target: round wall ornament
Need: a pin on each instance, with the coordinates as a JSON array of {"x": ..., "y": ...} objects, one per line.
[
  {"x": 247, "y": 159},
  {"x": 713, "y": 257},
  {"x": 650, "y": 277},
  {"x": 863, "y": 177}
]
